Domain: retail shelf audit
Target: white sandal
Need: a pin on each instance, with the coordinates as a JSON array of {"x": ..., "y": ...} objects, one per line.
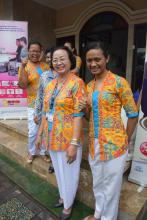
[{"x": 30, "y": 159}]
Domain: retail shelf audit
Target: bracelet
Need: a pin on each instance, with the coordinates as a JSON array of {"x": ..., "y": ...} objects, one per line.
[
  {"x": 74, "y": 143},
  {"x": 74, "y": 139}
]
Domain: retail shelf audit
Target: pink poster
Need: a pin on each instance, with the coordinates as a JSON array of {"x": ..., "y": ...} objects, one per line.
[{"x": 13, "y": 47}]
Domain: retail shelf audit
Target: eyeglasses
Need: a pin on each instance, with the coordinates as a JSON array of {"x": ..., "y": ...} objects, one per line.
[{"x": 63, "y": 60}]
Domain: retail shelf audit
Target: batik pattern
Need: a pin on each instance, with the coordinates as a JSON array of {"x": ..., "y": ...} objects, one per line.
[
  {"x": 66, "y": 107},
  {"x": 44, "y": 80},
  {"x": 33, "y": 81},
  {"x": 111, "y": 133}
]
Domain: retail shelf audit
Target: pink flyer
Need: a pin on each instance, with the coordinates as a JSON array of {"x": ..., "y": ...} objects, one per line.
[{"x": 14, "y": 38}]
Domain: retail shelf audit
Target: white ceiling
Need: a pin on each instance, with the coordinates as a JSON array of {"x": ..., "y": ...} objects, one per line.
[{"x": 57, "y": 4}]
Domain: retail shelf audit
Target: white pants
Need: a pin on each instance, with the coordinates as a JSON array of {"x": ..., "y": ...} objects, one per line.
[
  {"x": 107, "y": 180},
  {"x": 32, "y": 134},
  {"x": 67, "y": 175}
]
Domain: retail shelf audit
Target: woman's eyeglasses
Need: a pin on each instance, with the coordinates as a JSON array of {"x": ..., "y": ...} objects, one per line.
[{"x": 59, "y": 61}]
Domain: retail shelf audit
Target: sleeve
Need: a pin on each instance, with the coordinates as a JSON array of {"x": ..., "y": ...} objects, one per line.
[
  {"x": 45, "y": 101},
  {"x": 78, "y": 62},
  {"x": 79, "y": 91},
  {"x": 39, "y": 99},
  {"x": 45, "y": 67},
  {"x": 126, "y": 97},
  {"x": 19, "y": 70}
]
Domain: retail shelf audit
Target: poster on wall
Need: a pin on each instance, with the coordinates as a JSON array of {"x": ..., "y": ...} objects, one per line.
[
  {"x": 13, "y": 47},
  {"x": 138, "y": 172}
]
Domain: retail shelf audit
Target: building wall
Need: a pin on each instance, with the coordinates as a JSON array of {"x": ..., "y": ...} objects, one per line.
[
  {"x": 135, "y": 5},
  {"x": 75, "y": 11},
  {"x": 41, "y": 20},
  {"x": 6, "y": 12}
]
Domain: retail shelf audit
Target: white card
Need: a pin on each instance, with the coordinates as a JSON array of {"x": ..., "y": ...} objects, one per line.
[{"x": 49, "y": 117}]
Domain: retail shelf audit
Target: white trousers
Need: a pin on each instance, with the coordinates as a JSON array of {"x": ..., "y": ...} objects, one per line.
[
  {"x": 67, "y": 175},
  {"x": 107, "y": 180},
  {"x": 32, "y": 134}
]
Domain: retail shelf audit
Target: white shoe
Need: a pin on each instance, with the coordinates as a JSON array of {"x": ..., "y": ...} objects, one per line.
[{"x": 30, "y": 159}]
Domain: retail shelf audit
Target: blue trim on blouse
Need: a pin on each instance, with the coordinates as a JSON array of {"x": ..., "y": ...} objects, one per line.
[
  {"x": 50, "y": 124},
  {"x": 95, "y": 112},
  {"x": 80, "y": 114},
  {"x": 39, "y": 70},
  {"x": 133, "y": 115}
]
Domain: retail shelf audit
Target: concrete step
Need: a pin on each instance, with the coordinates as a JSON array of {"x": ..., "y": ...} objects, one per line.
[
  {"x": 13, "y": 143},
  {"x": 16, "y": 149},
  {"x": 16, "y": 128},
  {"x": 19, "y": 129}
]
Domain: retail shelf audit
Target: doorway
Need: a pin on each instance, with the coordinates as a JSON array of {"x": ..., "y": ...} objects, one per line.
[{"x": 112, "y": 29}]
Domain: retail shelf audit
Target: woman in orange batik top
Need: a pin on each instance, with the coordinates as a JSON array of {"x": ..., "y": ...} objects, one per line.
[
  {"x": 29, "y": 75},
  {"x": 108, "y": 140},
  {"x": 62, "y": 123}
]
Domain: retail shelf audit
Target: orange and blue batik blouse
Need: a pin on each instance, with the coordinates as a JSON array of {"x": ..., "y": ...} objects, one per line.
[
  {"x": 66, "y": 107},
  {"x": 105, "y": 116},
  {"x": 34, "y": 74}
]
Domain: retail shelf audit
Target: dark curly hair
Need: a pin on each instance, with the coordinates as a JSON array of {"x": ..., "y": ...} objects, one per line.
[{"x": 70, "y": 56}]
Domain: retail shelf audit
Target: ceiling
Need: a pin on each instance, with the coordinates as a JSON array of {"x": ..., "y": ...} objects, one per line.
[{"x": 58, "y": 4}]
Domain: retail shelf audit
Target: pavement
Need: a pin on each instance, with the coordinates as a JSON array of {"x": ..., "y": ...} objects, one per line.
[
  {"x": 39, "y": 186},
  {"x": 15, "y": 204}
]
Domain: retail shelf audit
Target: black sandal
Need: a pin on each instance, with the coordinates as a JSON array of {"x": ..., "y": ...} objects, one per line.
[
  {"x": 65, "y": 216},
  {"x": 58, "y": 204},
  {"x": 51, "y": 169}
]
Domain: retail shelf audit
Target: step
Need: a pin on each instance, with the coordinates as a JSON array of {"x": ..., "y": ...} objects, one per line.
[
  {"x": 16, "y": 128},
  {"x": 16, "y": 149},
  {"x": 13, "y": 143},
  {"x": 19, "y": 129},
  {"x": 44, "y": 192}
]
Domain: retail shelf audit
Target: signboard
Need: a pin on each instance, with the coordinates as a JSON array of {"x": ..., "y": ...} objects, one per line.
[
  {"x": 138, "y": 172},
  {"x": 13, "y": 43}
]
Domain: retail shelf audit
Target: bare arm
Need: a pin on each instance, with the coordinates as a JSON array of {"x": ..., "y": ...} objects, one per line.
[
  {"x": 23, "y": 76},
  {"x": 39, "y": 135},
  {"x": 84, "y": 107},
  {"x": 131, "y": 126}
]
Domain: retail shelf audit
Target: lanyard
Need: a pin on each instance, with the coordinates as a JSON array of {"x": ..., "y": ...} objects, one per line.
[
  {"x": 55, "y": 94},
  {"x": 39, "y": 71}
]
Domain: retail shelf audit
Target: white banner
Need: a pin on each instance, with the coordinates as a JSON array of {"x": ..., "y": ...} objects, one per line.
[{"x": 138, "y": 172}]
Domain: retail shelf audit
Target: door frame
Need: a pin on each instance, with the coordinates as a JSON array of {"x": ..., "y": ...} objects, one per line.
[{"x": 130, "y": 16}]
